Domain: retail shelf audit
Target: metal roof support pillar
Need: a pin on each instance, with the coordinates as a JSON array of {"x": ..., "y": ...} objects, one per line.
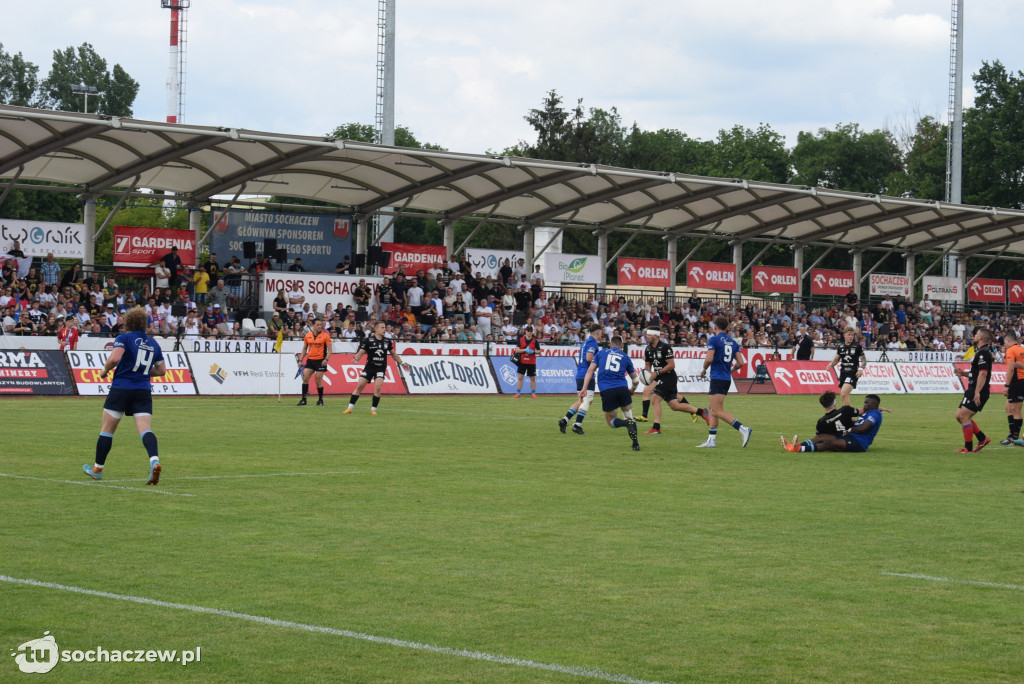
[
  {"x": 528, "y": 247},
  {"x": 672, "y": 252},
  {"x": 89, "y": 218},
  {"x": 737, "y": 260},
  {"x": 362, "y": 226},
  {"x": 602, "y": 260},
  {"x": 449, "y": 237},
  {"x": 195, "y": 224},
  {"x": 798, "y": 264},
  {"x": 858, "y": 268},
  {"x": 958, "y": 269},
  {"x": 911, "y": 265}
]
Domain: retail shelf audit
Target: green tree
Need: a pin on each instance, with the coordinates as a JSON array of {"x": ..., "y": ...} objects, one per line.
[
  {"x": 846, "y": 159},
  {"x": 993, "y": 161},
  {"x": 759, "y": 155},
  {"x": 594, "y": 137},
  {"x": 667, "y": 150},
  {"x": 924, "y": 173},
  {"x": 19, "y": 80},
  {"x": 83, "y": 65},
  {"x": 41, "y": 205}
]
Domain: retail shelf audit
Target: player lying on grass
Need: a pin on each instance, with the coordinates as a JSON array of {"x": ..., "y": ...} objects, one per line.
[{"x": 859, "y": 437}]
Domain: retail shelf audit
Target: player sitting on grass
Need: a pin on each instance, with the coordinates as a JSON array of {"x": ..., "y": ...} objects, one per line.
[{"x": 859, "y": 438}]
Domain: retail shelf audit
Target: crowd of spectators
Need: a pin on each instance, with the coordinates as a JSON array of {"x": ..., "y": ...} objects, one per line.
[{"x": 450, "y": 302}]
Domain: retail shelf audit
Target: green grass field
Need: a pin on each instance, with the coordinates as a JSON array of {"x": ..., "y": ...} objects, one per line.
[{"x": 471, "y": 524}]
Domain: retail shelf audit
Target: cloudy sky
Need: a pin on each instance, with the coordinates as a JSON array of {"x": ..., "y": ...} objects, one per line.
[{"x": 468, "y": 71}]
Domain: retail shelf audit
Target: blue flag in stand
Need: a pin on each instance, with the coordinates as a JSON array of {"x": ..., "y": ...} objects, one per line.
[{"x": 17, "y": 309}]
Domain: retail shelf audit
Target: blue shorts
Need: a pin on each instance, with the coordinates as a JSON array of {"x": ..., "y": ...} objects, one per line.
[
  {"x": 615, "y": 398},
  {"x": 579, "y": 384},
  {"x": 853, "y": 445},
  {"x": 129, "y": 401},
  {"x": 719, "y": 386}
]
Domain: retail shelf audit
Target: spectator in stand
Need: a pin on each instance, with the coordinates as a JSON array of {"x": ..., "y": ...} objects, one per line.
[
  {"x": 925, "y": 309},
  {"x": 852, "y": 300},
  {"x": 345, "y": 267},
  {"x": 219, "y": 294},
  {"x": 297, "y": 267},
  {"x": 362, "y": 294},
  {"x": 172, "y": 263},
  {"x": 201, "y": 285},
  {"x": 505, "y": 273},
  {"x": 901, "y": 315},
  {"x": 414, "y": 297},
  {"x": 233, "y": 277},
  {"x": 162, "y": 274},
  {"x": 385, "y": 295},
  {"x": 398, "y": 292},
  {"x": 50, "y": 271}
]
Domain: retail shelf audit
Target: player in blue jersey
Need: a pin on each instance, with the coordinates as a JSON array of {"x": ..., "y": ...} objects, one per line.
[
  {"x": 588, "y": 350},
  {"x": 611, "y": 366},
  {"x": 135, "y": 359},
  {"x": 723, "y": 358},
  {"x": 859, "y": 438}
]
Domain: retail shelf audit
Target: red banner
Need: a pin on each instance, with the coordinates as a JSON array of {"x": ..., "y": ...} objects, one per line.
[
  {"x": 997, "y": 381},
  {"x": 987, "y": 290},
  {"x": 342, "y": 375},
  {"x": 1016, "y": 291},
  {"x": 139, "y": 247},
  {"x": 649, "y": 272},
  {"x": 412, "y": 257},
  {"x": 775, "y": 279},
  {"x": 825, "y": 282},
  {"x": 801, "y": 377},
  {"x": 711, "y": 276}
]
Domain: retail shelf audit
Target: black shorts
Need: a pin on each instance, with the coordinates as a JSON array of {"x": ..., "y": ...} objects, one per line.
[
  {"x": 130, "y": 402},
  {"x": 318, "y": 365},
  {"x": 1015, "y": 392},
  {"x": 615, "y": 398},
  {"x": 848, "y": 379},
  {"x": 371, "y": 372},
  {"x": 719, "y": 386},
  {"x": 852, "y": 444},
  {"x": 590, "y": 386},
  {"x": 968, "y": 401},
  {"x": 667, "y": 389},
  {"x": 527, "y": 369}
]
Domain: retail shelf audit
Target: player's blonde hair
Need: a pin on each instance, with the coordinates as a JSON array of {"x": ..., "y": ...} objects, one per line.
[
  {"x": 850, "y": 329},
  {"x": 136, "y": 319}
]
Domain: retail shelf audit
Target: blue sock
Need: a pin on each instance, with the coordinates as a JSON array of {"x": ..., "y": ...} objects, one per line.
[
  {"x": 569, "y": 414},
  {"x": 103, "y": 445},
  {"x": 736, "y": 424},
  {"x": 807, "y": 443},
  {"x": 618, "y": 422},
  {"x": 580, "y": 415},
  {"x": 808, "y": 447},
  {"x": 713, "y": 431},
  {"x": 149, "y": 441}
]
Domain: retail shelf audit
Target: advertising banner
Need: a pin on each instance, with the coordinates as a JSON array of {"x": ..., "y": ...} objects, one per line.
[
  {"x": 996, "y": 384},
  {"x": 39, "y": 238},
  {"x": 221, "y": 373},
  {"x": 801, "y": 377},
  {"x": 880, "y": 378},
  {"x": 139, "y": 247},
  {"x": 343, "y": 374},
  {"x": 86, "y": 367},
  {"x": 561, "y": 350},
  {"x": 943, "y": 289},
  {"x": 555, "y": 375},
  {"x": 34, "y": 372},
  {"x": 987, "y": 290},
  {"x": 886, "y": 284},
  {"x": 451, "y": 375},
  {"x": 260, "y": 346},
  {"x": 775, "y": 279},
  {"x": 429, "y": 349},
  {"x": 645, "y": 272},
  {"x": 929, "y": 378},
  {"x": 710, "y": 276},
  {"x": 1016, "y": 291},
  {"x": 412, "y": 257},
  {"x": 489, "y": 261},
  {"x": 688, "y": 377},
  {"x": 317, "y": 288},
  {"x": 826, "y": 282},
  {"x": 321, "y": 240},
  {"x": 572, "y": 268}
]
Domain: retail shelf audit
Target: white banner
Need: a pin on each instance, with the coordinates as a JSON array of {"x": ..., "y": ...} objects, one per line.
[
  {"x": 449, "y": 375},
  {"x": 317, "y": 288},
  {"x": 929, "y": 378},
  {"x": 572, "y": 269},
  {"x": 880, "y": 378},
  {"x": 244, "y": 373},
  {"x": 687, "y": 376},
  {"x": 943, "y": 289},
  {"x": 886, "y": 284},
  {"x": 260, "y": 346},
  {"x": 489, "y": 261},
  {"x": 39, "y": 238},
  {"x": 87, "y": 365}
]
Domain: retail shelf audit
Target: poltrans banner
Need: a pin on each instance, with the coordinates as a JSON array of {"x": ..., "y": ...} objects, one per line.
[
  {"x": 555, "y": 375},
  {"x": 322, "y": 240}
]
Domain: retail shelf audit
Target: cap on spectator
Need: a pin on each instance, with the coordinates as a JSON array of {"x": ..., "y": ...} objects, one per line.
[
  {"x": 216, "y": 306},
  {"x": 123, "y": 308},
  {"x": 110, "y": 306}
]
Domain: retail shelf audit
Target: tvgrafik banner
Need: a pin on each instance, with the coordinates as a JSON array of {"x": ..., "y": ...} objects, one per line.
[
  {"x": 555, "y": 375},
  {"x": 39, "y": 238},
  {"x": 488, "y": 262},
  {"x": 572, "y": 269},
  {"x": 34, "y": 372},
  {"x": 87, "y": 366},
  {"x": 139, "y": 247},
  {"x": 449, "y": 375},
  {"x": 321, "y": 240}
]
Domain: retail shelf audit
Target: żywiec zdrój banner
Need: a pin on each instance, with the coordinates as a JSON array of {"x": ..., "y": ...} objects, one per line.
[
  {"x": 449, "y": 375},
  {"x": 34, "y": 372}
]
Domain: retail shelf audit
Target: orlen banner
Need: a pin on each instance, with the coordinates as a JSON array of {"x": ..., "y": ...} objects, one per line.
[
  {"x": 943, "y": 289},
  {"x": 801, "y": 377},
  {"x": 996, "y": 383},
  {"x": 929, "y": 378},
  {"x": 488, "y": 262},
  {"x": 450, "y": 375},
  {"x": 1016, "y": 291},
  {"x": 86, "y": 368},
  {"x": 321, "y": 240},
  {"x": 646, "y": 272},
  {"x": 34, "y": 372},
  {"x": 775, "y": 279},
  {"x": 140, "y": 247},
  {"x": 987, "y": 290},
  {"x": 572, "y": 268},
  {"x": 826, "y": 282},
  {"x": 555, "y": 375},
  {"x": 223, "y": 373},
  {"x": 39, "y": 238},
  {"x": 710, "y": 276},
  {"x": 343, "y": 374},
  {"x": 882, "y": 284},
  {"x": 412, "y": 257},
  {"x": 318, "y": 289}
]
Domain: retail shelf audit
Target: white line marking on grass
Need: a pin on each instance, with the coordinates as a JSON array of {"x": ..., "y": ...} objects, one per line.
[
  {"x": 100, "y": 484},
  {"x": 222, "y": 477},
  {"x": 399, "y": 643},
  {"x": 996, "y": 585}
]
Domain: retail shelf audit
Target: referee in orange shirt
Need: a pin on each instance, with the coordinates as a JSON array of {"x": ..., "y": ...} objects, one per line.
[
  {"x": 1014, "y": 387},
  {"x": 318, "y": 346}
]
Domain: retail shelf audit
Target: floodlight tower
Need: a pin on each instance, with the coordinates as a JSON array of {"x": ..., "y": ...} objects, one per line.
[
  {"x": 176, "y": 69},
  {"x": 384, "y": 123},
  {"x": 955, "y": 131}
]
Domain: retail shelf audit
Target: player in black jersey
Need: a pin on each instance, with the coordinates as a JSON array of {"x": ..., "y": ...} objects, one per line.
[
  {"x": 837, "y": 421},
  {"x": 851, "y": 360},
  {"x": 376, "y": 348},
  {"x": 977, "y": 391},
  {"x": 659, "y": 359}
]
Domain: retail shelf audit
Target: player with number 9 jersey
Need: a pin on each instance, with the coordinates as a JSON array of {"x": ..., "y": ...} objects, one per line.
[{"x": 725, "y": 349}]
